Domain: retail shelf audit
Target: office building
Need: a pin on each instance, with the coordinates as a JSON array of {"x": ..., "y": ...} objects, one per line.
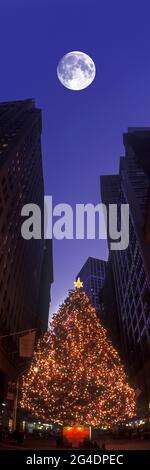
[
  {"x": 131, "y": 267},
  {"x": 25, "y": 265},
  {"x": 93, "y": 274}
]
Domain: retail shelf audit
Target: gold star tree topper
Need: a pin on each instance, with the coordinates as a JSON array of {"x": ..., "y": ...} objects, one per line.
[{"x": 78, "y": 284}]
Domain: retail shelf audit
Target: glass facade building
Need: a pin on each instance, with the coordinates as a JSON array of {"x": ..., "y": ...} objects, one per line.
[{"x": 93, "y": 274}]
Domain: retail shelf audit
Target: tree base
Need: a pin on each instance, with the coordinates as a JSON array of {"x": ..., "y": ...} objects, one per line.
[{"x": 75, "y": 436}]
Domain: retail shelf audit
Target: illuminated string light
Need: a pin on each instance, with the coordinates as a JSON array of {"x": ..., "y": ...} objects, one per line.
[{"x": 76, "y": 376}]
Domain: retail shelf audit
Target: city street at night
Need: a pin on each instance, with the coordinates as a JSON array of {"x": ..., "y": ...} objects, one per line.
[{"x": 74, "y": 232}]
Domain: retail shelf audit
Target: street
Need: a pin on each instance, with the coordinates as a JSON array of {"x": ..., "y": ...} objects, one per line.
[{"x": 46, "y": 444}]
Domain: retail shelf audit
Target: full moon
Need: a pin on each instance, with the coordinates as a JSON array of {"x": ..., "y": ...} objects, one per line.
[{"x": 76, "y": 70}]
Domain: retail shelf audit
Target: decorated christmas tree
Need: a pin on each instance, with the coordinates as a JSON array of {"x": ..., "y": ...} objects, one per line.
[{"x": 76, "y": 376}]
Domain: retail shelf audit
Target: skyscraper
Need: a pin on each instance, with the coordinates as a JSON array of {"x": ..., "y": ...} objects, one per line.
[
  {"x": 25, "y": 265},
  {"x": 131, "y": 267},
  {"x": 109, "y": 311},
  {"x": 93, "y": 274}
]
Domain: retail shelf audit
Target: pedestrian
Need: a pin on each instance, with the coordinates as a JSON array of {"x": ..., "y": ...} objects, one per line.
[
  {"x": 103, "y": 446},
  {"x": 95, "y": 445}
]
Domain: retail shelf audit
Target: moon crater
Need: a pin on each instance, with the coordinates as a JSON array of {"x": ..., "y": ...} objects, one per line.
[{"x": 76, "y": 70}]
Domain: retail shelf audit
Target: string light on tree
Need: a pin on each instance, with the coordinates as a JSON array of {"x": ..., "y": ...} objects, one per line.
[{"x": 76, "y": 376}]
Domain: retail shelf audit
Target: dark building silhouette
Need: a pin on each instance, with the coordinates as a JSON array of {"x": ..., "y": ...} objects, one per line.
[
  {"x": 131, "y": 267},
  {"x": 109, "y": 311},
  {"x": 93, "y": 274},
  {"x": 44, "y": 291},
  {"x": 25, "y": 265}
]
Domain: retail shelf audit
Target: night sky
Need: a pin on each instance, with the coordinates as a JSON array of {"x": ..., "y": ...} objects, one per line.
[{"x": 82, "y": 131}]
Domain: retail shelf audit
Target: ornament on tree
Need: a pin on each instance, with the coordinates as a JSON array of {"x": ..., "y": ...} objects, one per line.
[{"x": 83, "y": 378}]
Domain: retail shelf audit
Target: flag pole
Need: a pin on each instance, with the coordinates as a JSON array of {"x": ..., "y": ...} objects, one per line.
[{"x": 17, "y": 333}]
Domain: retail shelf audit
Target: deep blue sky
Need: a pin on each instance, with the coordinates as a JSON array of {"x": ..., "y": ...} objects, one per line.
[{"x": 82, "y": 131}]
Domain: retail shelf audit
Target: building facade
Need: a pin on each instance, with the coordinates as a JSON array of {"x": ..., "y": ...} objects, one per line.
[
  {"x": 131, "y": 267},
  {"x": 25, "y": 265},
  {"x": 109, "y": 311},
  {"x": 93, "y": 274}
]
